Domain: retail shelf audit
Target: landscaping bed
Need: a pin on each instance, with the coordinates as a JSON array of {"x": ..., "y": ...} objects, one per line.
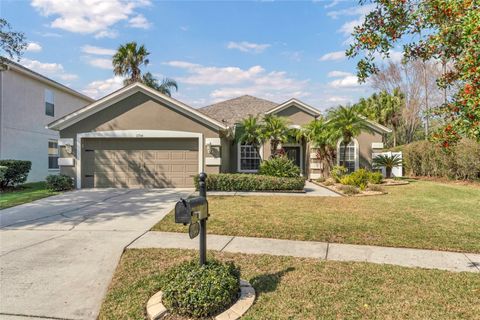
[
  {"x": 417, "y": 215},
  {"x": 296, "y": 288}
]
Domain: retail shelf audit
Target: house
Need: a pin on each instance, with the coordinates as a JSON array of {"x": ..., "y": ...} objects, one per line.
[
  {"x": 28, "y": 102},
  {"x": 137, "y": 137}
]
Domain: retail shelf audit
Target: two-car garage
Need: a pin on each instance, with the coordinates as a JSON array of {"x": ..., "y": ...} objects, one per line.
[{"x": 139, "y": 163}]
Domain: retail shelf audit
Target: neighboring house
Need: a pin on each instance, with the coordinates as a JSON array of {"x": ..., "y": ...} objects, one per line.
[
  {"x": 28, "y": 102},
  {"x": 137, "y": 137}
]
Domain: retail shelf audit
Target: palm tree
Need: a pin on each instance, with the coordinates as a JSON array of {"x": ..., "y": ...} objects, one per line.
[
  {"x": 276, "y": 130},
  {"x": 321, "y": 135},
  {"x": 347, "y": 124},
  {"x": 252, "y": 133},
  {"x": 165, "y": 87},
  {"x": 127, "y": 61},
  {"x": 389, "y": 162}
]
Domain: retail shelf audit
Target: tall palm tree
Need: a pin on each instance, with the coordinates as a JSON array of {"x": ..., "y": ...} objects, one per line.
[
  {"x": 347, "y": 124},
  {"x": 252, "y": 133},
  {"x": 276, "y": 130},
  {"x": 165, "y": 87},
  {"x": 128, "y": 60}
]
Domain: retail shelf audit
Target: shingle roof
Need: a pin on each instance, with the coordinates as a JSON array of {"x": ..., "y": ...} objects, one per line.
[{"x": 233, "y": 110}]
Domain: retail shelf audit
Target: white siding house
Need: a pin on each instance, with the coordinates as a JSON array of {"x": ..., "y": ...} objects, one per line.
[{"x": 28, "y": 102}]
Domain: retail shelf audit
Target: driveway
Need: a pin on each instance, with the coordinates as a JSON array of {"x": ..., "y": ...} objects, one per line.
[{"x": 58, "y": 254}]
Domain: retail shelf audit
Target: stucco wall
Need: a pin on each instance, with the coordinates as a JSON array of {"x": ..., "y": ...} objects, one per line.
[
  {"x": 296, "y": 116},
  {"x": 23, "y": 135}
]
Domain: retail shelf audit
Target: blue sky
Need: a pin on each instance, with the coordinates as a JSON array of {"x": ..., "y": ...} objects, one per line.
[{"x": 215, "y": 50}]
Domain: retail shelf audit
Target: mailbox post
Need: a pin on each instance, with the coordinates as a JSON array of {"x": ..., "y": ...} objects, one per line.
[{"x": 194, "y": 211}]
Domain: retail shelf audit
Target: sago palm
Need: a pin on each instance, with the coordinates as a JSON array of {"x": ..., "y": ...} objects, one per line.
[
  {"x": 128, "y": 60},
  {"x": 389, "y": 162},
  {"x": 347, "y": 124},
  {"x": 276, "y": 130}
]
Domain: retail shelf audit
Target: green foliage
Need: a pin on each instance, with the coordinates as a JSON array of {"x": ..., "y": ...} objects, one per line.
[
  {"x": 3, "y": 170},
  {"x": 275, "y": 129},
  {"x": 389, "y": 162},
  {"x": 279, "y": 166},
  {"x": 250, "y": 182},
  {"x": 12, "y": 43},
  {"x": 349, "y": 190},
  {"x": 338, "y": 172},
  {"x": 442, "y": 30},
  {"x": 462, "y": 161},
  {"x": 375, "y": 177},
  {"x": 60, "y": 182},
  {"x": 198, "y": 291},
  {"x": 165, "y": 87},
  {"x": 128, "y": 60},
  {"x": 16, "y": 172},
  {"x": 251, "y": 132},
  {"x": 358, "y": 178}
]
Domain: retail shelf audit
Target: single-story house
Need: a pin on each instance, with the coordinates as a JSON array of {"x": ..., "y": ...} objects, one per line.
[{"x": 138, "y": 137}]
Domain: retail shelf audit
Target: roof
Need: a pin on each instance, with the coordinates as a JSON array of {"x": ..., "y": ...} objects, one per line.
[
  {"x": 11, "y": 65},
  {"x": 234, "y": 110},
  {"x": 125, "y": 92},
  {"x": 297, "y": 103}
]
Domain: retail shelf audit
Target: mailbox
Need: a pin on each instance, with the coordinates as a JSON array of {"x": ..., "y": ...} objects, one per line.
[{"x": 191, "y": 210}]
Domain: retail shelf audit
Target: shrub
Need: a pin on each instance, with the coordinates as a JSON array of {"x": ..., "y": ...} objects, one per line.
[
  {"x": 462, "y": 161},
  {"x": 16, "y": 172},
  {"x": 389, "y": 162},
  {"x": 250, "y": 182},
  {"x": 349, "y": 190},
  {"x": 338, "y": 172},
  {"x": 358, "y": 178},
  {"x": 279, "y": 166},
  {"x": 375, "y": 178},
  {"x": 3, "y": 169},
  {"x": 200, "y": 291},
  {"x": 60, "y": 182}
]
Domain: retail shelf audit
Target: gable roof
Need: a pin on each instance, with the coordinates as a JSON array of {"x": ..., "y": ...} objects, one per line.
[
  {"x": 234, "y": 110},
  {"x": 11, "y": 65},
  {"x": 125, "y": 92},
  {"x": 299, "y": 104}
]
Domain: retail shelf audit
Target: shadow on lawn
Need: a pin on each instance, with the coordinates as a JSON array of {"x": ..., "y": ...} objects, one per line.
[{"x": 268, "y": 282}]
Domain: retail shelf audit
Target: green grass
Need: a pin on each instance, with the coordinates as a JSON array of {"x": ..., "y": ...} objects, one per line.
[
  {"x": 25, "y": 193},
  {"x": 295, "y": 288},
  {"x": 423, "y": 214}
]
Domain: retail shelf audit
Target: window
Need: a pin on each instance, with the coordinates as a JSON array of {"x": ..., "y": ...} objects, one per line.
[
  {"x": 249, "y": 159},
  {"x": 349, "y": 160},
  {"x": 53, "y": 154},
  {"x": 49, "y": 103}
]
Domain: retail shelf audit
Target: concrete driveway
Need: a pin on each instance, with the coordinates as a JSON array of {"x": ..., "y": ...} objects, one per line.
[{"x": 57, "y": 255}]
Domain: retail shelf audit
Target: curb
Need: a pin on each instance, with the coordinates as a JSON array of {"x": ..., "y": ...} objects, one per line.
[{"x": 156, "y": 310}]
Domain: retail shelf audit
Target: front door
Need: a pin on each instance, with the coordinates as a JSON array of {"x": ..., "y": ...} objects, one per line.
[{"x": 293, "y": 153}]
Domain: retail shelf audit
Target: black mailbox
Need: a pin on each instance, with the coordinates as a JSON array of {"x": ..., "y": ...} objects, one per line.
[{"x": 191, "y": 210}]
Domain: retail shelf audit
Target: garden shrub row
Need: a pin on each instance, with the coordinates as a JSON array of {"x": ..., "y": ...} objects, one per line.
[
  {"x": 251, "y": 182},
  {"x": 15, "y": 172},
  {"x": 60, "y": 182},
  {"x": 461, "y": 161}
]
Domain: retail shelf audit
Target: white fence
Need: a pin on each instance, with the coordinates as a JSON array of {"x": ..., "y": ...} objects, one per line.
[{"x": 396, "y": 171}]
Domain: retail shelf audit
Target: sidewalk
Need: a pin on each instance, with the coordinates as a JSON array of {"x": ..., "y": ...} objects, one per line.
[
  {"x": 311, "y": 190},
  {"x": 429, "y": 259}
]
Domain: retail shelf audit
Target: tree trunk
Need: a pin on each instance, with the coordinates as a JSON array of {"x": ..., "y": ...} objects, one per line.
[{"x": 388, "y": 172}]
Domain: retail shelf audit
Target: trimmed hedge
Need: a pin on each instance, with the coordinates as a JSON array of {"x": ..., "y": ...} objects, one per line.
[
  {"x": 200, "y": 291},
  {"x": 16, "y": 172},
  {"x": 250, "y": 182},
  {"x": 424, "y": 158},
  {"x": 60, "y": 182}
]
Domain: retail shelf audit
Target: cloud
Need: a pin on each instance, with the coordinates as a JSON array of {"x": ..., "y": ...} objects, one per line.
[
  {"x": 53, "y": 70},
  {"x": 140, "y": 21},
  {"x": 245, "y": 46},
  {"x": 232, "y": 81},
  {"x": 91, "y": 16},
  {"x": 394, "y": 56},
  {"x": 346, "y": 81},
  {"x": 335, "y": 100},
  {"x": 100, "y": 88},
  {"x": 352, "y": 11},
  {"x": 294, "y": 56},
  {"x": 88, "y": 49},
  {"x": 338, "y": 74},
  {"x": 101, "y": 63},
  {"x": 34, "y": 47},
  {"x": 332, "y": 4},
  {"x": 333, "y": 56}
]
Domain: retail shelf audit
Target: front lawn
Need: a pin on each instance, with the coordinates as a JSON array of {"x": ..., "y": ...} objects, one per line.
[
  {"x": 423, "y": 214},
  {"x": 27, "y": 192},
  {"x": 295, "y": 288}
]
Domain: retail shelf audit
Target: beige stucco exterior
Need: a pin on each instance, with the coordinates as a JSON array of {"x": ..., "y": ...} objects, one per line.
[{"x": 23, "y": 133}]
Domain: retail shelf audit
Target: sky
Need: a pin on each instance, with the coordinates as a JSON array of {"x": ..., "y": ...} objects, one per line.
[{"x": 274, "y": 50}]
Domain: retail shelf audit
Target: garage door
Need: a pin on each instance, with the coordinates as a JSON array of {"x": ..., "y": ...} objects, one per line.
[{"x": 139, "y": 162}]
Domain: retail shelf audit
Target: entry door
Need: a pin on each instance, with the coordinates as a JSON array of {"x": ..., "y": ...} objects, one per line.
[{"x": 293, "y": 153}]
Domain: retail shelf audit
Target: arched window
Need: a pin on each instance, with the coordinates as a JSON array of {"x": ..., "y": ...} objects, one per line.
[{"x": 348, "y": 158}]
